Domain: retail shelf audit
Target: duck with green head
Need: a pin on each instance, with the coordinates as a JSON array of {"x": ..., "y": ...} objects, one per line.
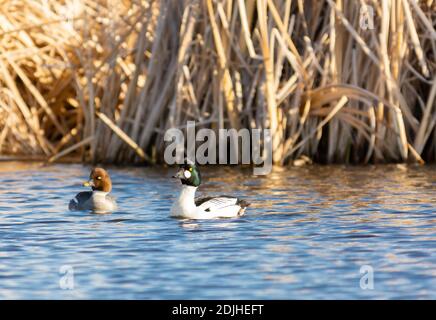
[{"x": 186, "y": 206}]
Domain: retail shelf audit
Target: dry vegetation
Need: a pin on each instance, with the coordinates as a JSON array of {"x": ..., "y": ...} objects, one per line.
[{"x": 102, "y": 80}]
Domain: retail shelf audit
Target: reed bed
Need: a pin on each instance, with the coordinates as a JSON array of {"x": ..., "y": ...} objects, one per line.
[{"x": 101, "y": 81}]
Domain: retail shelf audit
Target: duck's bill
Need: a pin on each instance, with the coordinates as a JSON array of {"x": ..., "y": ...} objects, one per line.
[
  {"x": 89, "y": 183},
  {"x": 179, "y": 174}
]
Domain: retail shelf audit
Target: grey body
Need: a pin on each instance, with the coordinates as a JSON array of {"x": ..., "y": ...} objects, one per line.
[{"x": 93, "y": 200}]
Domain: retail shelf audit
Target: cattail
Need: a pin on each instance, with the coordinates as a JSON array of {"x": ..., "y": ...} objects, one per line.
[{"x": 335, "y": 81}]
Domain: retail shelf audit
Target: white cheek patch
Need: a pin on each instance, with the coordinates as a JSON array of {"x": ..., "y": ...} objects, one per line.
[{"x": 187, "y": 174}]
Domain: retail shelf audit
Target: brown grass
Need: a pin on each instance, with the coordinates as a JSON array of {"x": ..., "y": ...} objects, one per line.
[{"x": 101, "y": 81}]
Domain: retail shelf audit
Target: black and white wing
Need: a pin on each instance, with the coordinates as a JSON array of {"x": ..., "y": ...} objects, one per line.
[
  {"x": 216, "y": 203},
  {"x": 79, "y": 200}
]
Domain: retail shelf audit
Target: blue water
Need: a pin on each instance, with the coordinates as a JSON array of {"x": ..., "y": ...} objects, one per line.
[{"x": 307, "y": 234}]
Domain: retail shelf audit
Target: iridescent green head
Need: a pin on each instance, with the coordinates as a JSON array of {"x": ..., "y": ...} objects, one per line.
[{"x": 189, "y": 175}]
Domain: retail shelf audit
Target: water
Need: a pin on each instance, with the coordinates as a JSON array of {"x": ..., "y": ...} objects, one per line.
[{"x": 307, "y": 235}]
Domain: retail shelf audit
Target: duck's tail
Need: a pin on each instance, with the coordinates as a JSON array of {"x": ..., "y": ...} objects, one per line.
[{"x": 243, "y": 204}]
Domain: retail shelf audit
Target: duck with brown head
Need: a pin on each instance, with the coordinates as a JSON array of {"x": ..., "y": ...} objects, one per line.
[{"x": 97, "y": 200}]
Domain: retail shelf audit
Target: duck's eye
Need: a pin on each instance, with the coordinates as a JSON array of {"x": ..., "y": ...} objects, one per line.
[
  {"x": 190, "y": 169},
  {"x": 98, "y": 178},
  {"x": 187, "y": 174}
]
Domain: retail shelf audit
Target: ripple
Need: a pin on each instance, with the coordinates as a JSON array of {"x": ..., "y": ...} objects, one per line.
[{"x": 306, "y": 235}]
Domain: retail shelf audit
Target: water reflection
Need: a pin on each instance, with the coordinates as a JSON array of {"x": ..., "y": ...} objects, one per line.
[{"x": 306, "y": 234}]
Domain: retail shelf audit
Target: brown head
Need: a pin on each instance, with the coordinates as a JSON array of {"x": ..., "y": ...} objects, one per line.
[{"x": 99, "y": 180}]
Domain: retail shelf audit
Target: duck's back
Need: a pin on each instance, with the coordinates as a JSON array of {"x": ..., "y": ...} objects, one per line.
[
  {"x": 81, "y": 201},
  {"x": 220, "y": 207}
]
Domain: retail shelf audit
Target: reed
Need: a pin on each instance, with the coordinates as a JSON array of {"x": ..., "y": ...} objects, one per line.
[{"x": 101, "y": 81}]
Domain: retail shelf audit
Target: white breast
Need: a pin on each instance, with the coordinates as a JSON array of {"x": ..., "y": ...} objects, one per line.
[
  {"x": 100, "y": 202},
  {"x": 185, "y": 206}
]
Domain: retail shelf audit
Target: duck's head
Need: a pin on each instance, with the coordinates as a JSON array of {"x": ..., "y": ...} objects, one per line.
[
  {"x": 189, "y": 175},
  {"x": 99, "y": 180}
]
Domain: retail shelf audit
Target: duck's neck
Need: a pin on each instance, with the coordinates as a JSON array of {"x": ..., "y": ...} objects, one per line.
[{"x": 187, "y": 196}]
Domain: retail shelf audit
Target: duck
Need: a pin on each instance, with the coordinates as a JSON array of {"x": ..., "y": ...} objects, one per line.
[
  {"x": 187, "y": 206},
  {"x": 97, "y": 200}
]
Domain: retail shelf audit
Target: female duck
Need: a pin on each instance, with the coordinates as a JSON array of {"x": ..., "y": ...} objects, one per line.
[
  {"x": 186, "y": 206},
  {"x": 98, "y": 199}
]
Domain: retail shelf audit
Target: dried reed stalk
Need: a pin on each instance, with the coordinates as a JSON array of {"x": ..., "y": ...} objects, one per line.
[{"x": 103, "y": 80}]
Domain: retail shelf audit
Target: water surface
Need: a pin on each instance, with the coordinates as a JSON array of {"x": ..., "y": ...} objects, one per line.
[{"x": 307, "y": 234}]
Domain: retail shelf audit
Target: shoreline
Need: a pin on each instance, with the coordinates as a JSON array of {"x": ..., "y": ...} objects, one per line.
[{"x": 74, "y": 161}]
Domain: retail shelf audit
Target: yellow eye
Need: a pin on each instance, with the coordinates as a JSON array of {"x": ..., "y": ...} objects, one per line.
[
  {"x": 190, "y": 169},
  {"x": 98, "y": 178}
]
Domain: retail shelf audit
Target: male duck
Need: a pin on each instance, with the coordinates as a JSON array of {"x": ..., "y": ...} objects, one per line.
[
  {"x": 186, "y": 206},
  {"x": 98, "y": 199}
]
